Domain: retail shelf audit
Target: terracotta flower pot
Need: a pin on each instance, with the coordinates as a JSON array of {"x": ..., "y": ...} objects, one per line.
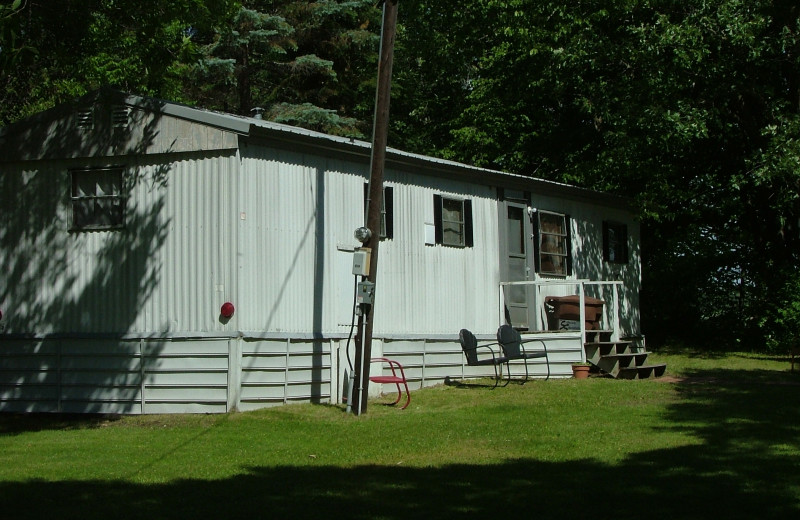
[{"x": 580, "y": 371}]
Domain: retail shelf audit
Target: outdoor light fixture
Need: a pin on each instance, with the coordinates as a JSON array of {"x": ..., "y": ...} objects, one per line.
[
  {"x": 363, "y": 234},
  {"x": 227, "y": 310}
]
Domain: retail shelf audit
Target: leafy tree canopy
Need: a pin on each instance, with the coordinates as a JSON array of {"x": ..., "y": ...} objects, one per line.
[{"x": 690, "y": 107}]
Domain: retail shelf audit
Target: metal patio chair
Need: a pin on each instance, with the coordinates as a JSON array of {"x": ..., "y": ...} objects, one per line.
[
  {"x": 513, "y": 347},
  {"x": 469, "y": 344},
  {"x": 397, "y": 378}
]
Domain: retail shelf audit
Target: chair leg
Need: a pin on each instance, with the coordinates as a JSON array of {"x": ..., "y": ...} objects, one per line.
[
  {"x": 497, "y": 377},
  {"x": 408, "y": 395},
  {"x": 399, "y": 394},
  {"x": 547, "y": 362}
]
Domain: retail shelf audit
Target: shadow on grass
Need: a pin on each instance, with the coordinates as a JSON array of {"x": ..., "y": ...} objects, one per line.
[
  {"x": 16, "y": 423},
  {"x": 745, "y": 465}
]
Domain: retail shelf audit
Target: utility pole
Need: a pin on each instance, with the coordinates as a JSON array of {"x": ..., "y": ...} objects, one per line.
[{"x": 380, "y": 133}]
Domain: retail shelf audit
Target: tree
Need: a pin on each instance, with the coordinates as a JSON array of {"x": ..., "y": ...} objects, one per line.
[
  {"x": 689, "y": 107},
  {"x": 306, "y": 63},
  {"x": 66, "y": 49},
  {"x": 437, "y": 50}
]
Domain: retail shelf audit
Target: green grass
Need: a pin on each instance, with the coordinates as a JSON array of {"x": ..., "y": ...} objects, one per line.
[{"x": 727, "y": 435}]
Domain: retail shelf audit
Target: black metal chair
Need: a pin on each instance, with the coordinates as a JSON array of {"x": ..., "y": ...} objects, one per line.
[
  {"x": 513, "y": 347},
  {"x": 469, "y": 344}
]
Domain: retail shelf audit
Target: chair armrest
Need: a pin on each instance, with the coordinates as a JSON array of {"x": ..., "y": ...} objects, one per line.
[
  {"x": 533, "y": 354},
  {"x": 487, "y": 346},
  {"x": 393, "y": 365}
]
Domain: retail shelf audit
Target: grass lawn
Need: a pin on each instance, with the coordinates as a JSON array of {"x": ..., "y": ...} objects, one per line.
[{"x": 720, "y": 436}]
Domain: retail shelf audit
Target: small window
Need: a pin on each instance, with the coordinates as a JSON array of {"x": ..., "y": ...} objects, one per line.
[
  {"x": 615, "y": 242},
  {"x": 554, "y": 244},
  {"x": 453, "y": 221},
  {"x": 387, "y": 210},
  {"x": 97, "y": 199}
]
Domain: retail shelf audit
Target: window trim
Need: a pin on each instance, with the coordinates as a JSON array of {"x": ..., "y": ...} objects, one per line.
[
  {"x": 467, "y": 239},
  {"x": 118, "y": 201},
  {"x": 566, "y": 236}
]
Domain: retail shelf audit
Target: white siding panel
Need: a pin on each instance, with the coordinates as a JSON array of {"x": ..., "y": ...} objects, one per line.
[
  {"x": 432, "y": 289},
  {"x": 170, "y": 269},
  {"x": 296, "y": 241},
  {"x": 34, "y": 252},
  {"x": 197, "y": 264},
  {"x": 287, "y": 243}
]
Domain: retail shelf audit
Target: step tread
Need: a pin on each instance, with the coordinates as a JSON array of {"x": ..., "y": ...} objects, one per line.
[
  {"x": 626, "y": 354},
  {"x": 657, "y": 365},
  {"x": 605, "y": 343},
  {"x": 657, "y": 370}
]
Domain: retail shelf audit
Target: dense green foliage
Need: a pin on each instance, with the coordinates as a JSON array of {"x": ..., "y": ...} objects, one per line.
[
  {"x": 690, "y": 107},
  {"x": 306, "y": 63}
]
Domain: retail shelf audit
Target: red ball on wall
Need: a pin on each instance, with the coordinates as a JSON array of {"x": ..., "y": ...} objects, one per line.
[{"x": 227, "y": 310}]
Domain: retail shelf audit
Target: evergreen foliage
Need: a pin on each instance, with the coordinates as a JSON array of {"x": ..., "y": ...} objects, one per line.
[{"x": 302, "y": 61}]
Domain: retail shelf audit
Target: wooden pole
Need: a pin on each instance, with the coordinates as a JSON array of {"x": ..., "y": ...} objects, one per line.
[{"x": 380, "y": 133}]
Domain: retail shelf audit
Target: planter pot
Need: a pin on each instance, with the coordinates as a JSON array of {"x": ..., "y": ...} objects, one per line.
[{"x": 580, "y": 371}]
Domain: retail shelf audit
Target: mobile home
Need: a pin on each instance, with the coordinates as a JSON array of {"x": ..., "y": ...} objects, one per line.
[{"x": 159, "y": 258}]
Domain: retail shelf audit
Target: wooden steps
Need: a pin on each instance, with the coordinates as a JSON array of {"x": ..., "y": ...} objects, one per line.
[{"x": 622, "y": 359}]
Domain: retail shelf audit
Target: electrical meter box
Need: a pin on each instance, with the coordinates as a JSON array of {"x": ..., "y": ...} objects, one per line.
[
  {"x": 361, "y": 261},
  {"x": 365, "y": 293}
]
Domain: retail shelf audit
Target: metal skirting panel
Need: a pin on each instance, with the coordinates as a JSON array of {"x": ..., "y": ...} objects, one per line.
[
  {"x": 219, "y": 375},
  {"x": 185, "y": 376},
  {"x": 113, "y": 376},
  {"x": 276, "y": 372},
  {"x": 431, "y": 362}
]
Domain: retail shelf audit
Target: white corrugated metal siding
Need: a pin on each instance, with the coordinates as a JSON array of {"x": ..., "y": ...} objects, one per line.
[
  {"x": 169, "y": 270},
  {"x": 129, "y": 320},
  {"x": 297, "y": 240},
  {"x": 432, "y": 289},
  {"x": 195, "y": 265}
]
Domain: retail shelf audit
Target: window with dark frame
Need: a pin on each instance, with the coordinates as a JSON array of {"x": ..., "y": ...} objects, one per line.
[
  {"x": 453, "y": 221},
  {"x": 387, "y": 210},
  {"x": 554, "y": 247},
  {"x": 97, "y": 199},
  {"x": 615, "y": 242}
]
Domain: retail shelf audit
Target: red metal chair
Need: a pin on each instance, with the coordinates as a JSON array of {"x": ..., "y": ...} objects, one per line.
[{"x": 397, "y": 378}]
